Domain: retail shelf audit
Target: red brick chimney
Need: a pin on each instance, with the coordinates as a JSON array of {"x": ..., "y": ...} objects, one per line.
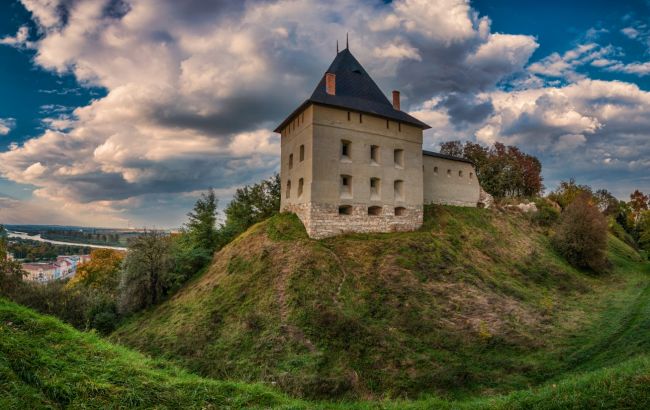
[
  {"x": 396, "y": 100},
  {"x": 330, "y": 83}
]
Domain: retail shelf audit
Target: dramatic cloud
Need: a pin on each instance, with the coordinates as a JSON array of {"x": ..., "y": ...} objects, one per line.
[{"x": 195, "y": 88}]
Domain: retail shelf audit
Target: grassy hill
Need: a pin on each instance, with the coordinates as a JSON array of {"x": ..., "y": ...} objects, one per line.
[
  {"x": 476, "y": 303},
  {"x": 45, "y": 364}
]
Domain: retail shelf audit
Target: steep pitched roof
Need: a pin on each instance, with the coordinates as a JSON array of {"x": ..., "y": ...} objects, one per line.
[{"x": 355, "y": 90}]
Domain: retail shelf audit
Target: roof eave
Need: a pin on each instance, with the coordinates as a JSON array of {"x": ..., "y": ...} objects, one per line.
[{"x": 417, "y": 123}]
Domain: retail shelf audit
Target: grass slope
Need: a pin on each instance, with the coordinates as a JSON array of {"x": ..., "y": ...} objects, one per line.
[
  {"x": 45, "y": 364},
  {"x": 475, "y": 303}
]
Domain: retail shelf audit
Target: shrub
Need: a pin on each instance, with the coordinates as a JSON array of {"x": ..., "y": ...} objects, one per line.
[
  {"x": 581, "y": 236},
  {"x": 546, "y": 215}
]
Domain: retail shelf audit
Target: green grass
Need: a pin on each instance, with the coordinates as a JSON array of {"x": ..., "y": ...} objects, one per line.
[
  {"x": 45, "y": 364},
  {"x": 475, "y": 304}
]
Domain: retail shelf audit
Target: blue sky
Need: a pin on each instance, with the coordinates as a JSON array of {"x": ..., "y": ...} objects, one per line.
[{"x": 120, "y": 112}]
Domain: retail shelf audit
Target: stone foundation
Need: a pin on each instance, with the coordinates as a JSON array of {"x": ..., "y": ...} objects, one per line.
[{"x": 324, "y": 220}]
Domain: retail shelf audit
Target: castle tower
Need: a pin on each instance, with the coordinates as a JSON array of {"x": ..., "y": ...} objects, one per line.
[{"x": 352, "y": 160}]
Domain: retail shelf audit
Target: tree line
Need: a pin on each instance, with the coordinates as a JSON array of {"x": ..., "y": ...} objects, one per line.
[{"x": 114, "y": 284}]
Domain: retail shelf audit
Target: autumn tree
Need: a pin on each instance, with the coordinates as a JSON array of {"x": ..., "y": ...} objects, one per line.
[
  {"x": 101, "y": 273},
  {"x": 568, "y": 191},
  {"x": 581, "y": 235},
  {"x": 503, "y": 171}
]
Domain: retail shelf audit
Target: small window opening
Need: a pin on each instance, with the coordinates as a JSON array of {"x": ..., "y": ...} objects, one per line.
[
  {"x": 435, "y": 170},
  {"x": 360, "y": 118},
  {"x": 471, "y": 175},
  {"x": 400, "y": 211},
  {"x": 302, "y": 118},
  {"x": 346, "y": 185},
  {"x": 387, "y": 124},
  {"x": 345, "y": 210},
  {"x": 460, "y": 173},
  {"x": 449, "y": 172},
  {"x": 399, "y": 190},
  {"x": 375, "y": 186},
  {"x": 300, "y": 184},
  {"x": 302, "y": 153},
  {"x": 399, "y": 126},
  {"x": 374, "y": 153},
  {"x": 345, "y": 149},
  {"x": 288, "y": 193},
  {"x": 399, "y": 157},
  {"x": 348, "y": 115},
  {"x": 374, "y": 210},
  {"x": 290, "y": 161}
]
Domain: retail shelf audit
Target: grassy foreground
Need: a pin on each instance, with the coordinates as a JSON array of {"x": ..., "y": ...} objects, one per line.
[
  {"x": 47, "y": 364},
  {"x": 475, "y": 304}
]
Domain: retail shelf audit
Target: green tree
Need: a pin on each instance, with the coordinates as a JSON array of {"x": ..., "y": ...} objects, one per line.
[
  {"x": 252, "y": 204},
  {"x": 644, "y": 231},
  {"x": 201, "y": 226},
  {"x": 147, "y": 274},
  {"x": 568, "y": 191}
]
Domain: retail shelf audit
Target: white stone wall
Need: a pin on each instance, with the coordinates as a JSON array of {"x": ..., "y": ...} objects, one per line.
[{"x": 324, "y": 220}]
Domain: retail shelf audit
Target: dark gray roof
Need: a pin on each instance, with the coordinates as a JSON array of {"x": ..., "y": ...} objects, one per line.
[
  {"x": 445, "y": 156},
  {"x": 356, "y": 91}
]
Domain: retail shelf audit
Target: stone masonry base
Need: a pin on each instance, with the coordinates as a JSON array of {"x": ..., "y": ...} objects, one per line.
[{"x": 324, "y": 220}]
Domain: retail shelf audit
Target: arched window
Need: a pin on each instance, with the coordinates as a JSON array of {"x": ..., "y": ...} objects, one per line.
[{"x": 435, "y": 170}]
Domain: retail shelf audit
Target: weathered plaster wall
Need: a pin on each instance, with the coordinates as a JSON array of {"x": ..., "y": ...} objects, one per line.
[{"x": 450, "y": 182}]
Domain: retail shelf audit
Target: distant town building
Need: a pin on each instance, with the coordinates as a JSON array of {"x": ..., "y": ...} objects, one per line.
[
  {"x": 352, "y": 161},
  {"x": 63, "y": 268}
]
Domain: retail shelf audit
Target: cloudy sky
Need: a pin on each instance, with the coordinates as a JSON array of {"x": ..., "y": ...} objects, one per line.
[{"x": 120, "y": 112}]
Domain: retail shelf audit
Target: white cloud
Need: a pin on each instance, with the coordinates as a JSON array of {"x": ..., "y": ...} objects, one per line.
[
  {"x": 6, "y": 125},
  {"x": 20, "y": 40}
]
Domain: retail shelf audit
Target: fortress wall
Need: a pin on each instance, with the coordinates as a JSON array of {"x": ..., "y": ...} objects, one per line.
[{"x": 453, "y": 183}]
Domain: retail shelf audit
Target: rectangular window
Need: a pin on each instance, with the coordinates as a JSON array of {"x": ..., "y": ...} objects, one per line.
[
  {"x": 375, "y": 187},
  {"x": 374, "y": 210},
  {"x": 300, "y": 184},
  {"x": 290, "y": 161},
  {"x": 346, "y": 186},
  {"x": 288, "y": 193},
  {"x": 302, "y": 153},
  {"x": 399, "y": 126},
  {"x": 345, "y": 210},
  {"x": 374, "y": 154},
  {"x": 348, "y": 115},
  {"x": 399, "y": 158},
  {"x": 360, "y": 118},
  {"x": 387, "y": 124},
  {"x": 399, "y": 190},
  {"x": 345, "y": 149}
]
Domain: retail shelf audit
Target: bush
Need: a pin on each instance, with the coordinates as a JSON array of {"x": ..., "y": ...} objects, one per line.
[
  {"x": 581, "y": 236},
  {"x": 546, "y": 215}
]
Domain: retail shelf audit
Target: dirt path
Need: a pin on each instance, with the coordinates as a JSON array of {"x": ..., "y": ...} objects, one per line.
[{"x": 294, "y": 332}]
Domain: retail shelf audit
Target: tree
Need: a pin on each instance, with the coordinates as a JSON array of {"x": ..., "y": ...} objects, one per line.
[
  {"x": 607, "y": 203},
  {"x": 644, "y": 231},
  {"x": 503, "y": 171},
  {"x": 101, "y": 273},
  {"x": 581, "y": 235},
  {"x": 201, "y": 226},
  {"x": 252, "y": 204},
  {"x": 147, "y": 272},
  {"x": 568, "y": 191}
]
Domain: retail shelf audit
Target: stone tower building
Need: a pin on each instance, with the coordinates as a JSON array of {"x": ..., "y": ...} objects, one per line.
[{"x": 352, "y": 161}]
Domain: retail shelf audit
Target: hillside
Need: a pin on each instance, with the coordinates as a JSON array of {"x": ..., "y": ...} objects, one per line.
[
  {"x": 475, "y": 303},
  {"x": 45, "y": 364}
]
